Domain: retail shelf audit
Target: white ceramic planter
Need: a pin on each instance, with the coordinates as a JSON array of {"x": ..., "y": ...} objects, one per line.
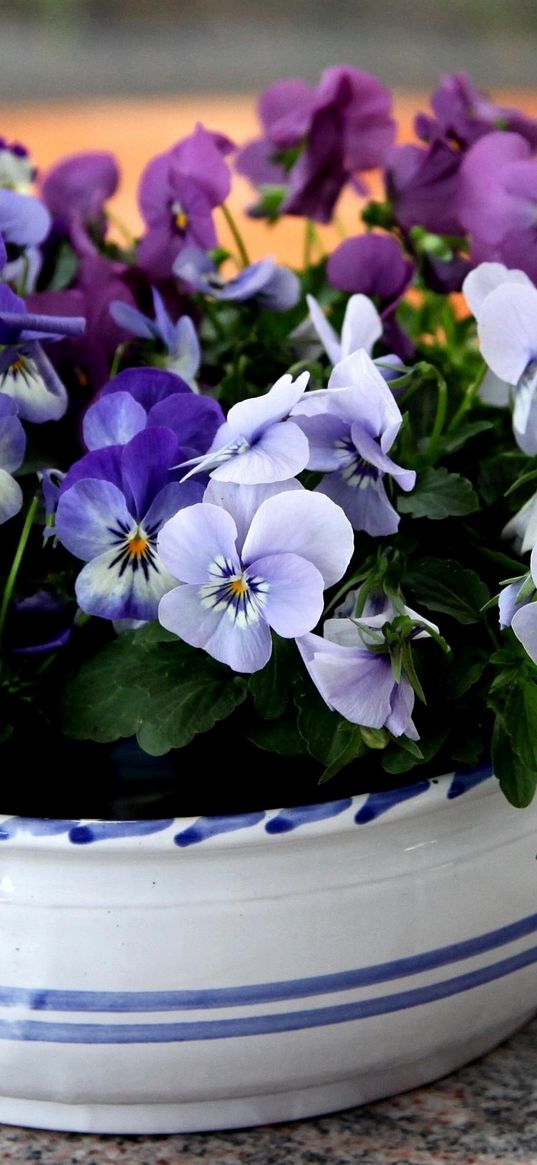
[{"x": 191, "y": 975}]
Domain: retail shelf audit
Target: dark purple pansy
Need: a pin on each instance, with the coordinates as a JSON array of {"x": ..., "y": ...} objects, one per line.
[
  {"x": 373, "y": 264},
  {"x": 422, "y": 185},
  {"x": 464, "y": 115},
  {"x": 76, "y": 190},
  {"x": 497, "y": 201}
]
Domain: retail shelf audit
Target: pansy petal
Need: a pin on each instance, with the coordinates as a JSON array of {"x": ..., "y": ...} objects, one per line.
[
  {"x": 306, "y": 524},
  {"x": 132, "y": 320},
  {"x": 146, "y": 385},
  {"x": 507, "y": 329},
  {"x": 357, "y": 683},
  {"x": 293, "y": 603},
  {"x": 194, "y": 539},
  {"x": 485, "y": 278},
  {"x": 10, "y": 496},
  {"x": 328, "y": 337},
  {"x": 85, "y": 514},
  {"x": 194, "y": 419},
  {"x": 12, "y": 435},
  {"x": 173, "y": 497},
  {"x": 524, "y": 625},
  {"x": 367, "y": 507},
  {"x": 522, "y": 527},
  {"x": 362, "y": 325},
  {"x": 280, "y": 453},
  {"x": 242, "y": 501},
  {"x": 326, "y": 435},
  {"x": 145, "y": 463},
  {"x": 30, "y": 380},
  {"x": 113, "y": 420},
  {"x": 185, "y": 349},
  {"x": 494, "y": 391},
  {"x": 371, "y": 452},
  {"x": 103, "y": 588},
  {"x": 400, "y": 722},
  {"x": 369, "y": 400},
  {"x": 249, "y": 417},
  {"x": 244, "y": 648}
]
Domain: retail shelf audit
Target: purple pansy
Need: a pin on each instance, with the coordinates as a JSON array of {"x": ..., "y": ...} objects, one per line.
[
  {"x": 351, "y": 667},
  {"x": 80, "y": 184},
  {"x": 258, "y": 444},
  {"x": 497, "y": 201},
  {"x": 350, "y": 427},
  {"x": 522, "y": 527},
  {"x": 272, "y": 285},
  {"x": 422, "y": 184},
  {"x": 507, "y": 330},
  {"x": 374, "y": 265},
  {"x": 180, "y": 339},
  {"x": 178, "y": 192},
  {"x": 362, "y": 326},
  {"x": 112, "y": 505},
  {"x": 140, "y": 398},
  {"x": 464, "y": 115},
  {"x": 250, "y": 559},
  {"x": 26, "y": 374},
  {"x": 522, "y": 615},
  {"x": 338, "y": 129},
  {"x": 24, "y": 220},
  {"x": 12, "y": 446}
]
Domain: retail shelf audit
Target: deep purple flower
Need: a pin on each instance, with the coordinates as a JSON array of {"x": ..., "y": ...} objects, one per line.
[
  {"x": 80, "y": 184},
  {"x": 26, "y": 374},
  {"x": 177, "y": 194},
  {"x": 337, "y": 130},
  {"x": 180, "y": 339},
  {"x": 272, "y": 285},
  {"x": 497, "y": 201},
  {"x": 140, "y": 398},
  {"x": 464, "y": 115},
  {"x": 112, "y": 505},
  {"x": 12, "y": 446},
  {"x": 42, "y": 623},
  {"x": 350, "y": 427},
  {"x": 422, "y": 184},
  {"x": 250, "y": 559},
  {"x": 373, "y": 264},
  {"x": 258, "y": 444}
]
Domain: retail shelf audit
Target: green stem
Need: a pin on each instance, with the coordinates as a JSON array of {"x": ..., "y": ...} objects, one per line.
[
  {"x": 123, "y": 230},
  {"x": 468, "y": 398},
  {"x": 15, "y": 566},
  {"x": 118, "y": 356},
  {"x": 439, "y": 420},
  {"x": 237, "y": 237}
]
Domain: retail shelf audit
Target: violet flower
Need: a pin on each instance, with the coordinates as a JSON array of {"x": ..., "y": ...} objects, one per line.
[
  {"x": 79, "y": 185},
  {"x": 351, "y": 426},
  {"x": 353, "y": 670},
  {"x": 497, "y": 201},
  {"x": 422, "y": 185},
  {"x": 180, "y": 339},
  {"x": 250, "y": 559},
  {"x": 258, "y": 444},
  {"x": 374, "y": 265},
  {"x": 521, "y": 614},
  {"x": 26, "y": 374},
  {"x": 273, "y": 286},
  {"x": 336, "y": 130},
  {"x": 12, "y": 446},
  {"x": 177, "y": 194},
  {"x": 362, "y": 327},
  {"x": 24, "y": 220},
  {"x": 463, "y": 115},
  {"x": 112, "y": 505}
]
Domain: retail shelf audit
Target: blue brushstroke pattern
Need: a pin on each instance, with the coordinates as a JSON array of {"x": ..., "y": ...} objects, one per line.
[
  {"x": 289, "y": 819},
  {"x": 463, "y": 782},
  {"x": 206, "y": 827},
  {"x": 106, "y": 830},
  {"x": 385, "y": 799},
  {"x": 35, "y": 826}
]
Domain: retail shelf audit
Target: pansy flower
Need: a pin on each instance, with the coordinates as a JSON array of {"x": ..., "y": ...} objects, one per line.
[
  {"x": 26, "y": 374},
  {"x": 351, "y": 426},
  {"x": 251, "y": 558},
  {"x": 497, "y": 200},
  {"x": 179, "y": 339},
  {"x": 12, "y": 446},
  {"x": 112, "y": 505},
  {"x": 273, "y": 286}
]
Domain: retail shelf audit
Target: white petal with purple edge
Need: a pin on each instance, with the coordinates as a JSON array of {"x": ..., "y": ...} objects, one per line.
[
  {"x": 362, "y": 325},
  {"x": 304, "y": 523},
  {"x": 281, "y": 452},
  {"x": 196, "y": 537},
  {"x": 103, "y": 589},
  {"x": 250, "y": 417},
  {"x": 524, "y": 625},
  {"x": 523, "y": 526},
  {"x": 245, "y": 648},
  {"x": 10, "y": 496},
  {"x": 507, "y": 330},
  {"x": 85, "y": 514},
  {"x": 113, "y": 420},
  {"x": 293, "y": 602},
  {"x": 328, "y": 337},
  {"x": 486, "y": 278},
  {"x": 36, "y": 400}
]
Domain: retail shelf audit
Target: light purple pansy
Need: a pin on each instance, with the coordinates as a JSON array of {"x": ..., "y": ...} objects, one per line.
[
  {"x": 12, "y": 446},
  {"x": 351, "y": 426},
  {"x": 357, "y": 681},
  {"x": 26, "y": 374},
  {"x": 497, "y": 201},
  {"x": 522, "y": 527},
  {"x": 112, "y": 505},
  {"x": 17, "y": 171},
  {"x": 273, "y": 286},
  {"x": 523, "y": 616},
  {"x": 374, "y": 265},
  {"x": 24, "y": 220},
  {"x": 180, "y": 339},
  {"x": 250, "y": 559},
  {"x": 507, "y": 330},
  {"x": 258, "y": 444},
  {"x": 362, "y": 327}
]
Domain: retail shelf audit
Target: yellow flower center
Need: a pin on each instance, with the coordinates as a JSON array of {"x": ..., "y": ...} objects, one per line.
[
  {"x": 238, "y": 586},
  {"x": 137, "y": 545}
]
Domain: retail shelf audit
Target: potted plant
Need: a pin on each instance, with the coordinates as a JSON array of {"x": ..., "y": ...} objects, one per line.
[{"x": 268, "y": 620}]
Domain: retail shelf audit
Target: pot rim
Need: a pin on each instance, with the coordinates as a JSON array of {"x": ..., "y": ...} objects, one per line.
[{"x": 248, "y": 828}]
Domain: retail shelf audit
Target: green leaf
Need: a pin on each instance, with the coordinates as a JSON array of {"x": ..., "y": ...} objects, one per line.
[
  {"x": 149, "y": 684},
  {"x": 467, "y": 670},
  {"x": 354, "y": 748},
  {"x": 326, "y": 733},
  {"x": 520, "y": 721},
  {"x": 65, "y": 269},
  {"x": 439, "y": 494},
  {"x": 272, "y": 688},
  {"x": 281, "y": 736},
  {"x": 453, "y": 441},
  {"x": 440, "y": 584},
  {"x": 517, "y": 781}
]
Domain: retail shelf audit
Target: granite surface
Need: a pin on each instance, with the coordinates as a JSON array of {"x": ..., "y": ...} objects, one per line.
[{"x": 484, "y": 1113}]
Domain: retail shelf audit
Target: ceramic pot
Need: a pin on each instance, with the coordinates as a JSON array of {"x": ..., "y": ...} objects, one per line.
[{"x": 186, "y": 975}]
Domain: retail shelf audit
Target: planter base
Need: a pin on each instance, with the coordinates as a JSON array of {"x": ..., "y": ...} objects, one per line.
[{"x": 246, "y": 1111}]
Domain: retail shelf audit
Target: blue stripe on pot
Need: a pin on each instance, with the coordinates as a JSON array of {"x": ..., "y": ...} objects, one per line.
[
  {"x": 43, "y": 999},
  {"x": 218, "y": 1029}
]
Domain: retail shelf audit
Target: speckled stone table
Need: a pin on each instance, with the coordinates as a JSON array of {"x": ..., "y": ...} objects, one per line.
[{"x": 485, "y": 1113}]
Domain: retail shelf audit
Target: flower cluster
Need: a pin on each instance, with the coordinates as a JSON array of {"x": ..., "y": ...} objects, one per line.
[{"x": 294, "y": 509}]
